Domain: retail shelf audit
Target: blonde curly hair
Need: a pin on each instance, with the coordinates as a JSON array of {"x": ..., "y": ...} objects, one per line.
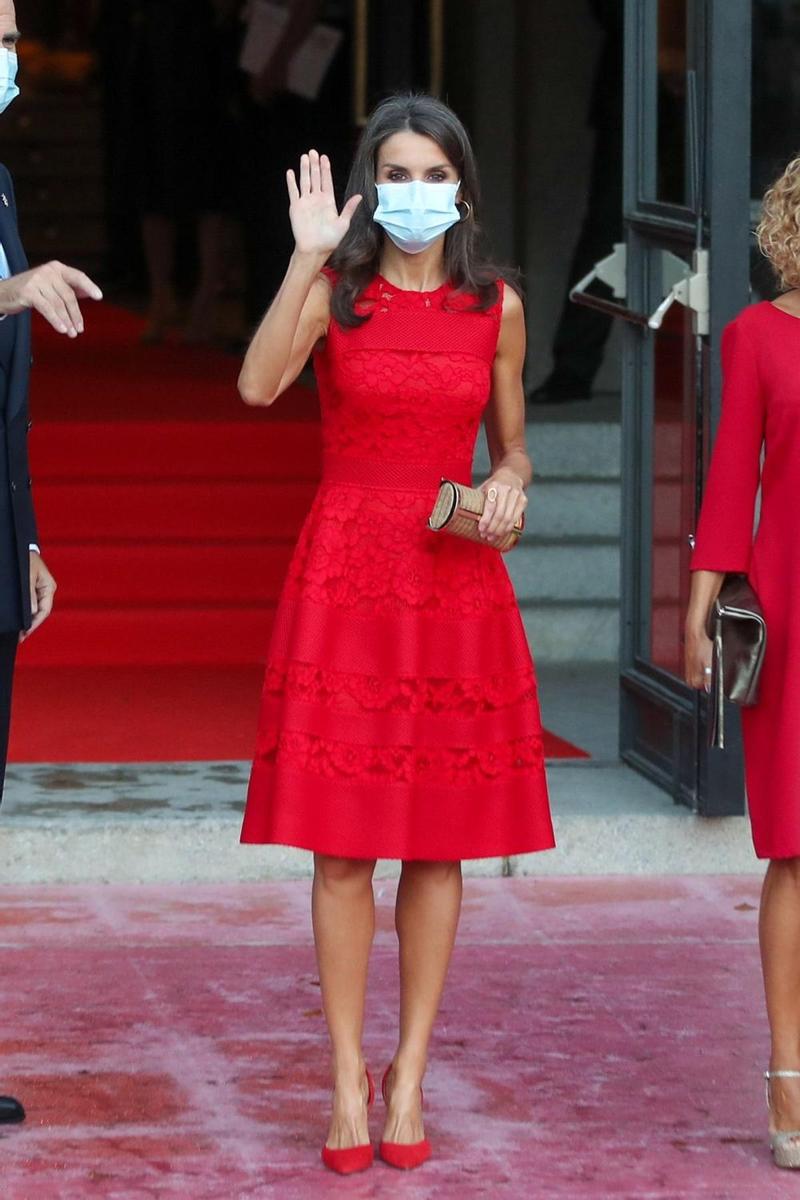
[{"x": 778, "y": 231}]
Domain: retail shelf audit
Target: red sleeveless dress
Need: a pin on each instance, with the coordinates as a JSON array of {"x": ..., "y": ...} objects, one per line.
[{"x": 399, "y": 716}]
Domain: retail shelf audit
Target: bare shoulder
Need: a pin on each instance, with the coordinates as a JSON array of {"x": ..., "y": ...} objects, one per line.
[
  {"x": 511, "y": 339},
  {"x": 513, "y": 308}
]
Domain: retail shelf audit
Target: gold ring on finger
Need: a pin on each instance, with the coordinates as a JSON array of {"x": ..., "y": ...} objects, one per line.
[{"x": 491, "y": 495}]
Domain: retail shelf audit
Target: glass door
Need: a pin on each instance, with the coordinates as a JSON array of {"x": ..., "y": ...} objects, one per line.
[
  {"x": 687, "y": 219},
  {"x": 680, "y": 275}
]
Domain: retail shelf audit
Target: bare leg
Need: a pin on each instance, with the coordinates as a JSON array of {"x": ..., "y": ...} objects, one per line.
[
  {"x": 211, "y": 277},
  {"x": 158, "y": 238},
  {"x": 779, "y": 932},
  {"x": 426, "y": 917},
  {"x": 343, "y": 910}
]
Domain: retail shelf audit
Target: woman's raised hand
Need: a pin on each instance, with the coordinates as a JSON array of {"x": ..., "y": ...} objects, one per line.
[{"x": 317, "y": 225}]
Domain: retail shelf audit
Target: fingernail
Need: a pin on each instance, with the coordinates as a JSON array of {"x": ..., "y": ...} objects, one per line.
[{"x": 62, "y": 329}]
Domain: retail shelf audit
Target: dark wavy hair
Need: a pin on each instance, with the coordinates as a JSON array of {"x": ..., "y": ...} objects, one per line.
[{"x": 357, "y": 258}]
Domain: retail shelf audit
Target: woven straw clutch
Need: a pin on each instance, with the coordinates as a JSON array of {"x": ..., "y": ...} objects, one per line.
[{"x": 459, "y": 508}]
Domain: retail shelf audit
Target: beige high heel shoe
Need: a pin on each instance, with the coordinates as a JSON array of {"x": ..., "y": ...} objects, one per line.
[{"x": 785, "y": 1145}]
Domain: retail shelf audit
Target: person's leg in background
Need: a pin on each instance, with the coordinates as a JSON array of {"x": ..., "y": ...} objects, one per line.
[
  {"x": 211, "y": 277},
  {"x": 582, "y": 333},
  {"x": 8, "y": 654},
  {"x": 274, "y": 135},
  {"x": 158, "y": 239},
  {"x": 11, "y": 1111}
]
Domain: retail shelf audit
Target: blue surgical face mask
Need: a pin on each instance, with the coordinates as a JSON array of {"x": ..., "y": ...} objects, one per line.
[
  {"x": 8, "y": 74},
  {"x": 417, "y": 213}
]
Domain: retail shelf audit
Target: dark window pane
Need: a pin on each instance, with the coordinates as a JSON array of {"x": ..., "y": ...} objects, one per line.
[{"x": 671, "y": 184}]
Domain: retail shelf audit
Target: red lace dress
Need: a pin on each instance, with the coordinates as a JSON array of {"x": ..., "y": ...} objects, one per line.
[{"x": 399, "y": 716}]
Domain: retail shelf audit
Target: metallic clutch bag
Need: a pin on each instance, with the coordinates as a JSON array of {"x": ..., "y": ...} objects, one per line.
[
  {"x": 459, "y": 508},
  {"x": 738, "y": 630}
]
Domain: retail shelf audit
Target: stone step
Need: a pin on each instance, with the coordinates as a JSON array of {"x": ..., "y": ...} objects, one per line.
[
  {"x": 566, "y": 568},
  {"x": 569, "y": 508},
  {"x": 570, "y": 569},
  {"x": 179, "y": 822},
  {"x": 567, "y": 450},
  {"x": 568, "y": 632}
]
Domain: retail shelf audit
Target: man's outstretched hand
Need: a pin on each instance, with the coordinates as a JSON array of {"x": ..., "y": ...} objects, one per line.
[{"x": 52, "y": 290}]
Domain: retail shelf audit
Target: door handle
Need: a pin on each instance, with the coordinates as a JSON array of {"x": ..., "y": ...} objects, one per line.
[
  {"x": 689, "y": 290},
  {"x": 611, "y": 270},
  {"x": 686, "y": 285},
  {"x": 654, "y": 321}
]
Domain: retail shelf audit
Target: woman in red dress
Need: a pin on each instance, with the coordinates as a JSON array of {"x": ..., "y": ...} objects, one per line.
[
  {"x": 761, "y": 408},
  {"x": 400, "y": 715}
]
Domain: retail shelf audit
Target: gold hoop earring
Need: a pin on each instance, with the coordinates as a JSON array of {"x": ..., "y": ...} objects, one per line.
[{"x": 466, "y": 216}]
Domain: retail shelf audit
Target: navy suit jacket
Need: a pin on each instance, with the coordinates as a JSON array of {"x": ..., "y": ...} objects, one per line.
[{"x": 17, "y": 520}]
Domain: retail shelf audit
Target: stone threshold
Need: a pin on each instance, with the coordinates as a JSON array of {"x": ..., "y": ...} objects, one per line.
[{"x": 179, "y": 823}]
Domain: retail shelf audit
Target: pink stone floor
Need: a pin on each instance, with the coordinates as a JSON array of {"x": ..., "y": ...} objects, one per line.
[{"x": 598, "y": 1038}]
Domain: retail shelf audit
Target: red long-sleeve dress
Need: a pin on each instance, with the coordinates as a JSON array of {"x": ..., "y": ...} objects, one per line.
[
  {"x": 761, "y": 408},
  {"x": 400, "y": 716}
]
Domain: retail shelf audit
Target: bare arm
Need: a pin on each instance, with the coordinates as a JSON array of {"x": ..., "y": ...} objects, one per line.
[
  {"x": 505, "y": 426},
  {"x": 293, "y": 324},
  {"x": 298, "y": 316}
]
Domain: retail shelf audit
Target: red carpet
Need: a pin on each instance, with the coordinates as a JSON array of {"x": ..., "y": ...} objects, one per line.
[
  {"x": 168, "y": 1042},
  {"x": 168, "y": 511}
]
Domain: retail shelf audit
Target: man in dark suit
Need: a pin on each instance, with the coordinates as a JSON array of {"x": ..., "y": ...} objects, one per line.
[{"x": 26, "y": 586}]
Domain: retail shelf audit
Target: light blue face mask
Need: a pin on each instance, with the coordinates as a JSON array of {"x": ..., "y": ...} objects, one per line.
[
  {"x": 415, "y": 214},
  {"x": 8, "y": 74}
]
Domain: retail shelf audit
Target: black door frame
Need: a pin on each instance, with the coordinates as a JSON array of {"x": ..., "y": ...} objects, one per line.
[{"x": 718, "y": 52}]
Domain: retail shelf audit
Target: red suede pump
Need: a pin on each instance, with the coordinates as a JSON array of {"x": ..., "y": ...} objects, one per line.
[
  {"x": 353, "y": 1158},
  {"x": 403, "y": 1156}
]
